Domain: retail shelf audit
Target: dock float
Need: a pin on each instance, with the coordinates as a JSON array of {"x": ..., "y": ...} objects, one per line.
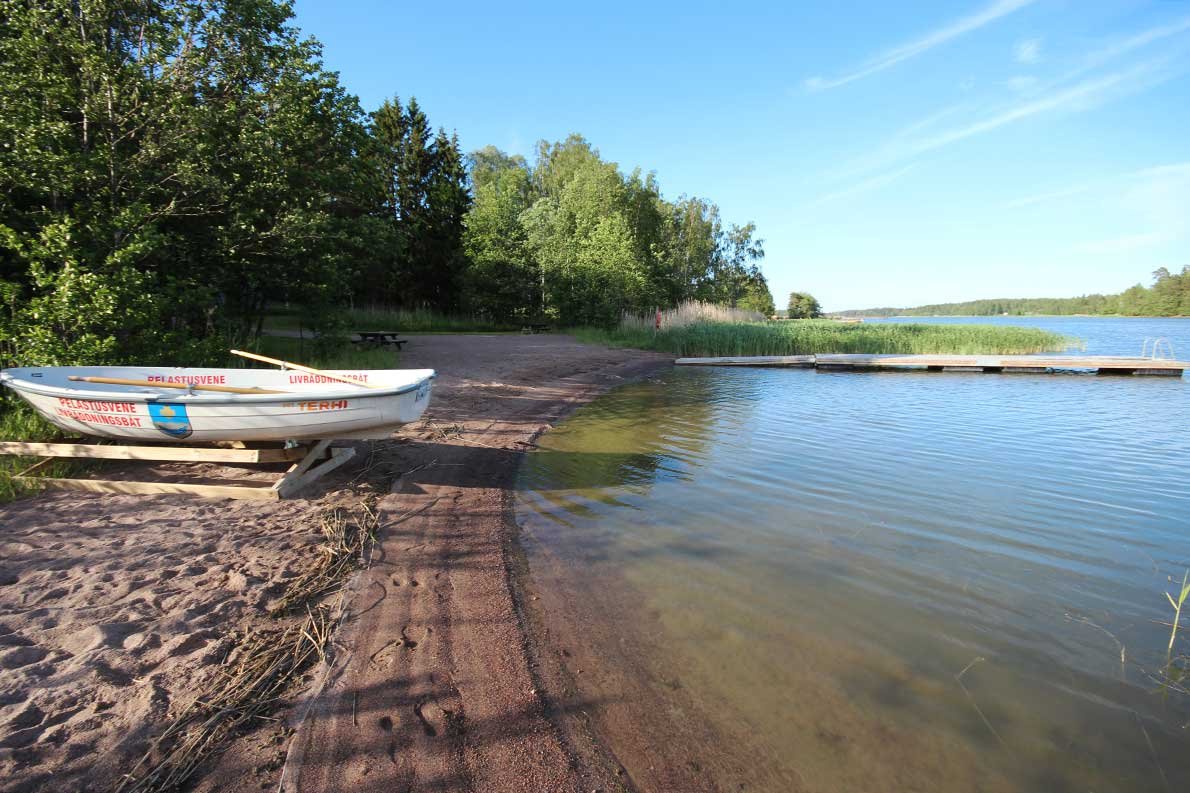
[{"x": 1027, "y": 364}]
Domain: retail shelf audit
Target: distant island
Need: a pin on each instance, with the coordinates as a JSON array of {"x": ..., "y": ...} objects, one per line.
[{"x": 1169, "y": 296}]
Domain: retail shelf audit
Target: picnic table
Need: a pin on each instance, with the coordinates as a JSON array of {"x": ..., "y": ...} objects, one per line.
[
  {"x": 534, "y": 328},
  {"x": 379, "y": 338}
]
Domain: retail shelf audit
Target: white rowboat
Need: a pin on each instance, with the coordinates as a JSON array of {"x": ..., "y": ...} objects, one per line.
[{"x": 289, "y": 405}]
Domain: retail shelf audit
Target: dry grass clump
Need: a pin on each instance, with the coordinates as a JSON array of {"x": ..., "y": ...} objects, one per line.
[
  {"x": 263, "y": 664},
  {"x": 690, "y": 312},
  {"x": 346, "y": 544}
]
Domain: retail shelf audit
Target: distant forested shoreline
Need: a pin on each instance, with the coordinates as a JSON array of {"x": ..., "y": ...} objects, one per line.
[{"x": 1169, "y": 296}]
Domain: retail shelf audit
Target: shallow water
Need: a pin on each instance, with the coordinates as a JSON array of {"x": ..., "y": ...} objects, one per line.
[{"x": 898, "y": 581}]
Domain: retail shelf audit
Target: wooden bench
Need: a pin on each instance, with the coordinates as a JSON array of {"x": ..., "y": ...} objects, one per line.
[
  {"x": 534, "y": 328},
  {"x": 379, "y": 338}
]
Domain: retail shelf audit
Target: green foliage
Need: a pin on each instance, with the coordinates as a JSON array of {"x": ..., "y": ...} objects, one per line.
[
  {"x": 504, "y": 280},
  {"x": 1169, "y": 296},
  {"x": 19, "y": 422},
  {"x": 571, "y": 238},
  {"x": 172, "y": 167},
  {"x": 757, "y": 297},
  {"x": 803, "y": 305},
  {"x": 805, "y": 337},
  {"x": 425, "y": 200}
]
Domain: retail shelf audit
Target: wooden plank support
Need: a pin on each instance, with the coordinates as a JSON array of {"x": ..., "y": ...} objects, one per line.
[
  {"x": 170, "y": 453},
  {"x": 261, "y": 492},
  {"x": 302, "y": 473}
]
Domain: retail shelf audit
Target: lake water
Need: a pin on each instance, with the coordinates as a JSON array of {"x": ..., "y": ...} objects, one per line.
[{"x": 896, "y": 581}]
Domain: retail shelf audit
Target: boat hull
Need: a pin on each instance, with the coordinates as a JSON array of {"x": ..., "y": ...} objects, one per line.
[{"x": 311, "y": 407}]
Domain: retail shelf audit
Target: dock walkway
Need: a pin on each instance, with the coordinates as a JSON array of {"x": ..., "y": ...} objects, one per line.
[{"x": 959, "y": 363}]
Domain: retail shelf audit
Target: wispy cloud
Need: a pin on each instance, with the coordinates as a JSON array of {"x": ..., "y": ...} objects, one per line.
[
  {"x": 1180, "y": 170},
  {"x": 866, "y": 186},
  {"x": 912, "y": 49},
  {"x": 1123, "y": 244},
  {"x": 1153, "y": 199},
  {"x": 1022, "y": 84},
  {"x": 1177, "y": 171},
  {"x": 1138, "y": 40},
  {"x": 1081, "y": 95},
  {"x": 1052, "y": 195},
  {"x": 1058, "y": 97},
  {"x": 1028, "y": 51},
  {"x": 1084, "y": 93},
  {"x": 932, "y": 119}
]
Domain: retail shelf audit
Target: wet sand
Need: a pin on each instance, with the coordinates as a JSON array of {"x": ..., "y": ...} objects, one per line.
[
  {"x": 438, "y": 690},
  {"x": 116, "y": 610}
]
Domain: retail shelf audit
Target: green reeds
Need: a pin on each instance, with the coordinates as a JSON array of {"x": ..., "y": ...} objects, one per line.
[
  {"x": 807, "y": 337},
  {"x": 1177, "y": 609}
]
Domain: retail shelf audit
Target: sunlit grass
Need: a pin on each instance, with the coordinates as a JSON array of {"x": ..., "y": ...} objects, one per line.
[
  {"x": 306, "y": 352},
  {"x": 807, "y": 337},
  {"x": 399, "y": 320}
]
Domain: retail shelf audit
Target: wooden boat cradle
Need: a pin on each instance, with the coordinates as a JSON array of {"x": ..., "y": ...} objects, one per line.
[{"x": 310, "y": 462}]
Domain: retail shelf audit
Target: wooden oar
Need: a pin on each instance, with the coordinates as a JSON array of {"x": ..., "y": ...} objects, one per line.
[
  {"x": 300, "y": 368},
  {"x": 228, "y": 389}
]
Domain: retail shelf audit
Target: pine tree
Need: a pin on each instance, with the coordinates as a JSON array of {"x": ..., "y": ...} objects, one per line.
[{"x": 447, "y": 202}]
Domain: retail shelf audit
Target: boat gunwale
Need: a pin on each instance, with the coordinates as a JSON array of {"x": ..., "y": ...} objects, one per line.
[{"x": 20, "y": 385}]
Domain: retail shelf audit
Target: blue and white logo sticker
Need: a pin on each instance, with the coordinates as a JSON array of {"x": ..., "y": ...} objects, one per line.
[{"x": 171, "y": 419}]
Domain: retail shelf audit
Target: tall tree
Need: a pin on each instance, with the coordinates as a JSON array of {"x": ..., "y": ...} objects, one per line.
[
  {"x": 602, "y": 243},
  {"x": 803, "y": 305},
  {"x": 172, "y": 166},
  {"x": 503, "y": 280},
  {"x": 447, "y": 201}
]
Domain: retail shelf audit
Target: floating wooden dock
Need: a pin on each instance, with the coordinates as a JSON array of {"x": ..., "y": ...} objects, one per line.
[{"x": 1035, "y": 364}]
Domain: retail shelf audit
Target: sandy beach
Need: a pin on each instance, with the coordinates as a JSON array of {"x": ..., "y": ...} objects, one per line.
[{"x": 117, "y": 611}]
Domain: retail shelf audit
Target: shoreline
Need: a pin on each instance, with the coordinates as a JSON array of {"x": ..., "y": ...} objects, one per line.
[
  {"x": 440, "y": 684},
  {"x": 131, "y": 603}
]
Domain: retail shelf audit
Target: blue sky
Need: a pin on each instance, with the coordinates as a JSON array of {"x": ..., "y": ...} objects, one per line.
[{"x": 889, "y": 153}]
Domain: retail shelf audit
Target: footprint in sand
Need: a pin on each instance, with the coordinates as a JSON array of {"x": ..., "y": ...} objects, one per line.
[
  {"x": 435, "y": 719},
  {"x": 384, "y": 657},
  {"x": 10, "y": 639},
  {"x": 19, "y": 657}
]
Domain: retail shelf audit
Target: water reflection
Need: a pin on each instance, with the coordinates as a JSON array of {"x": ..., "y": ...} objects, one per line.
[{"x": 896, "y": 581}]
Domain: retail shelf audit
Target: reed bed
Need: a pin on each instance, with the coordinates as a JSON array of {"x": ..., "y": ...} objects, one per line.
[
  {"x": 263, "y": 664},
  {"x": 807, "y": 337},
  {"x": 691, "y": 312}
]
